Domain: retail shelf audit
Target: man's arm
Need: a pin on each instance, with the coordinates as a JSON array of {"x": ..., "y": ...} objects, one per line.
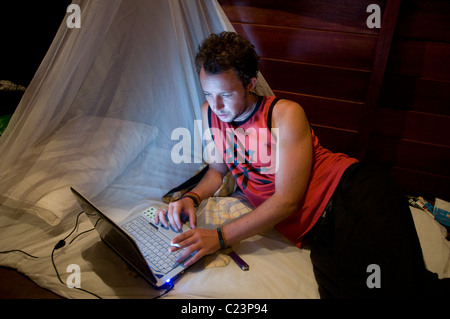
[
  {"x": 207, "y": 187},
  {"x": 291, "y": 180}
]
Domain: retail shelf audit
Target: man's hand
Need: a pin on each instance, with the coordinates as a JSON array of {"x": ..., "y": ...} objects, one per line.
[
  {"x": 199, "y": 241},
  {"x": 196, "y": 240},
  {"x": 172, "y": 215}
]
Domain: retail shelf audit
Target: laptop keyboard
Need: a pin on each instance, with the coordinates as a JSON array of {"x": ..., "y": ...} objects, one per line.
[{"x": 154, "y": 249}]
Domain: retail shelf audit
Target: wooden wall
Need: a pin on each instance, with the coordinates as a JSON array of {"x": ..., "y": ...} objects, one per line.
[{"x": 381, "y": 95}]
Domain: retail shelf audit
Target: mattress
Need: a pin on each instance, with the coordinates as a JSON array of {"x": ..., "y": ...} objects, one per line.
[{"x": 278, "y": 269}]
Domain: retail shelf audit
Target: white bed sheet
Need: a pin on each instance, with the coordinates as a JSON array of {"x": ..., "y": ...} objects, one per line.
[{"x": 277, "y": 268}]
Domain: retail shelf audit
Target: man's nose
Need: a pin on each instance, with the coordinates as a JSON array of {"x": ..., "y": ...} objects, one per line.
[{"x": 217, "y": 104}]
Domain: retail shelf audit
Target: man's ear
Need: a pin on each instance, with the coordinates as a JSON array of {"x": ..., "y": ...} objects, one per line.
[{"x": 252, "y": 85}]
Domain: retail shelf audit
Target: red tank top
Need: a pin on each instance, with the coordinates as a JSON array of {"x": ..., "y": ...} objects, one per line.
[{"x": 249, "y": 150}]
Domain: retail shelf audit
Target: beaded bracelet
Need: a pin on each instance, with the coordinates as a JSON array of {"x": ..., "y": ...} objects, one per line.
[
  {"x": 194, "y": 196},
  {"x": 221, "y": 241}
]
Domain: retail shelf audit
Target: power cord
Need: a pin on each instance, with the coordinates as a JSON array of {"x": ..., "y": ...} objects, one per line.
[
  {"x": 60, "y": 244},
  {"x": 18, "y": 251},
  {"x": 171, "y": 285}
]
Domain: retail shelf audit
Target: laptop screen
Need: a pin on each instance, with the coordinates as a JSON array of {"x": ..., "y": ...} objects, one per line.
[{"x": 116, "y": 238}]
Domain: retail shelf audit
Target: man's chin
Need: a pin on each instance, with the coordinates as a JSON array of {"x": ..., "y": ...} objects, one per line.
[{"x": 225, "y": 118}]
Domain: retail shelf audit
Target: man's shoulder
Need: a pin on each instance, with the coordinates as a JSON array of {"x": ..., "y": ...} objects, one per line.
[
  {"x": 286, "y": 111},
  {"x": 287, "y": 103},
  {"x": 285, "y": 107}
]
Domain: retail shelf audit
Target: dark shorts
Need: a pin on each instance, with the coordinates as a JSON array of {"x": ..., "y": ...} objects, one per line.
[{"x": 366, "y": 245}]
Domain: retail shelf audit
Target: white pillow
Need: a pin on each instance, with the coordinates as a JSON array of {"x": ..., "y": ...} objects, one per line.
[{"x": 87, "y": 153}]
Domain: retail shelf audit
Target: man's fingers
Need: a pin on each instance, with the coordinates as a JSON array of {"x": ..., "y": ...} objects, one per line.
[
  {"x": 174, "y": 217},
  {"x": 184, "y": 239},
  {"x": 174, "y": 214},
  {"x": 160, "y": 216},
  {"x": 194, "y": 258},
  {"x": 192, "y": 218}
]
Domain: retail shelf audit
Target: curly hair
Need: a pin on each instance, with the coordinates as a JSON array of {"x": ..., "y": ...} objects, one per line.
[{"x": 228, "y": 50}]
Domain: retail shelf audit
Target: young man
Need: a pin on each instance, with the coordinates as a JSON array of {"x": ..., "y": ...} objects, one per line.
[{"x": 352, "y": 214}]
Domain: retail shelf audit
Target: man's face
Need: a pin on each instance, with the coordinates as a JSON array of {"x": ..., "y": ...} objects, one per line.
[{"x": 225, "y": 94}]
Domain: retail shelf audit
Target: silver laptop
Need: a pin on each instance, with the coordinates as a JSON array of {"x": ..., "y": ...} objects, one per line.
[{"x": 142, "y": 243}]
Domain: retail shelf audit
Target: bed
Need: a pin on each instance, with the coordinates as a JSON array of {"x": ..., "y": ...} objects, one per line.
[
  {"x": 99, "y": 116},
  {"x": 278, "y": 269}
]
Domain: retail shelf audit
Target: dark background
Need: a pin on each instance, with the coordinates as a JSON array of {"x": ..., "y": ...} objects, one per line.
[{"x": 28, "y": 29}]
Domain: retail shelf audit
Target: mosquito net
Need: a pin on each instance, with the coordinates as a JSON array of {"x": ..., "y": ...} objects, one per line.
[{"x": 113, "y": 109}]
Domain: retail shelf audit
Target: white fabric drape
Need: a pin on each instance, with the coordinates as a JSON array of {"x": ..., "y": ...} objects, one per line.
[{"x": 108, "y": 95}]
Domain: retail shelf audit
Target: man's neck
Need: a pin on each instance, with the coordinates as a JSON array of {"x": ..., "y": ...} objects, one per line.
[{"x": 252, "y": 103}]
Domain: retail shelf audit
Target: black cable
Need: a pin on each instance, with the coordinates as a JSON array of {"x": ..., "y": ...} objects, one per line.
[
  {"x": 82, "y": 233},
  {"x": 171, "y": 285},
  {"x": 76, "y": 226},
  {"x": 17, "y": 250},
  {"x": 60, "y": 244}
]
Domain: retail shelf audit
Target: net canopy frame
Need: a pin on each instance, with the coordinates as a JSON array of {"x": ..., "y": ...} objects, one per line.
[{"x": 106, "y": 98}]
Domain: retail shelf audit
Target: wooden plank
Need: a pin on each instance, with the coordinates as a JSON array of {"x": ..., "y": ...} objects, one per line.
[
  {"x": 379, "y": 66},
  {"x": 419, "y": 183},
  {"x": 327, "y": 112},
  {"x": 337, "y": 140},
  {"x": 311, "y": 46},
  {"x": 335, "y": 15},
  {"x": 409, "y": 154},
  {"x": 437, "y": 61},
  {"x": 432, "y": 96},
  {"x": 424, "y": 59},
  {"x": 427, "y": 20},
  {"x": 419, "y": 94},
  {"x": 336, "y": 83},
  {"x": 412, "y": 125}
]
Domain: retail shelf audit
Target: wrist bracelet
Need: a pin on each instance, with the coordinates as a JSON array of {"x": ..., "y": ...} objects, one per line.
[
  {"x": 221, "y": 241},
  {"x": 194, "y": 196}
]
